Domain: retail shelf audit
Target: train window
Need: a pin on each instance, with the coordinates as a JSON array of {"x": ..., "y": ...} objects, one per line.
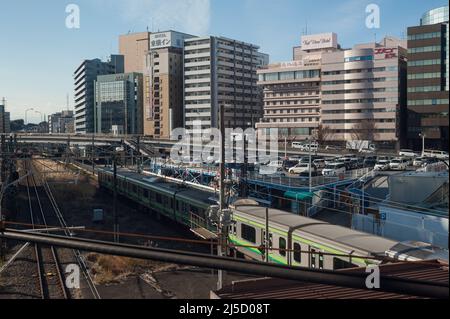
[
  {"x": 313, "y": 258},
  {"x": 321, "y": 259},
  {"x": 297, "y": 253},
  {"x": 158, "y": 198},
  {"x": 134, "y": 189},
  {"x": 194, "y": 210},
  {"x": 342, "y": 264},
  {"x": 282, "y": 246},
  {"x": 248, "y": 233},
  {"x": 145, "y": 193}
]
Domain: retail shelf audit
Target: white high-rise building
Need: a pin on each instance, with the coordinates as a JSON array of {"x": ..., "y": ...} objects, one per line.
[{"x": 220, "y": 71}]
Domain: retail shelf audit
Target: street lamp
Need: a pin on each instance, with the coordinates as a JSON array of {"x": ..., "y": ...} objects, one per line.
[
  {"x": 423, "y": 136},
  {"x": 26, "y": 112},
  {"x": 40, "y": 114}
]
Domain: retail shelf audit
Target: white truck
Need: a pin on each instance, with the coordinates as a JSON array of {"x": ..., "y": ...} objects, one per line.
[{"x": 361, "y": 146}]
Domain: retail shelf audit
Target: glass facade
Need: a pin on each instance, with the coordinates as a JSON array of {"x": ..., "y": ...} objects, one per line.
[{"x": 438, "y": 15}]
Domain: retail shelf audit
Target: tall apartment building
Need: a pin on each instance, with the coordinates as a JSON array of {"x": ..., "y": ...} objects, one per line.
[
  {"x": 164, "y": 84},
  {"x": 5, "y": 119},
  {"x": 428, "y": 83},
  {"x": 61, "y": 122},
  {"x": 291, "y": 89},
  {"x": 84, "y": 77},
  {"x": 118, "y": 103},
  {"x": 220, "y": 71},
  {"x": 363, "y": 93}
]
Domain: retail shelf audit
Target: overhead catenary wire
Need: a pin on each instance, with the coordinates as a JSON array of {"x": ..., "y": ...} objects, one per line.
[{"x": 351, "y": 280}]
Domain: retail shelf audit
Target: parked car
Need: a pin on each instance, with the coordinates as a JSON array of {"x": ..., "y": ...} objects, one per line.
[
  {"x": 436, "y": 154},
  {"x": 370, "y": 161},
  {"x": 398, "y": 164},
  {"x": 301, "y": 168},
  {"x": 334, "y": 169},
  {"x": 408, "y": 153},
  {"x": 319, "y": 163},
  {"x": 306, "y": 147},
  {"x": 287, "y": 164},
  {"x": 382, "y": 165},
  {"x": 419, "y": 161}
]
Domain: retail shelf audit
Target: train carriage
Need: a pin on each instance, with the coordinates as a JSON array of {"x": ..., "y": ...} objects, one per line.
[
  {"x": 294, "y": 240},
  {"x": 301, "y": 241}
]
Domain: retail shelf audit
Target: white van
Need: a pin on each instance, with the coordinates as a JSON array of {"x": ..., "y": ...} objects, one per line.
[
  {"x": 334, "y": 169},
  {"x": 436, "y": 154}
]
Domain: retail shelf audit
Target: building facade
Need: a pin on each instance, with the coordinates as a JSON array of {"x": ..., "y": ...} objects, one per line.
[
  {"x": 428, "y": 94},
  {"x": 61, "y": 122},
  {"x": 363, "y": 93},
  {"x": 220, "y": 71},
  {"x": 291, "y": 98},
  {"x": 5, "y": 120},
  {"x": 163, "y": 97},
  {"x": 292, "y": 90},
  {"x": 84, "y": 77},
  {"x": 118, "y": 103}
]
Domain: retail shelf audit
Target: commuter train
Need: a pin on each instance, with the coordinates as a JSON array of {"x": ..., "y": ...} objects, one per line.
[{"x": 294, "y": 240}]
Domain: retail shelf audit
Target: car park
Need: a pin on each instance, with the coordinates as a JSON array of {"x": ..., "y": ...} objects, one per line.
[{"x": 334, "y": 169}]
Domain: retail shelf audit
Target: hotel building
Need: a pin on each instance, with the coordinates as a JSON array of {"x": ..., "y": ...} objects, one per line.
[
  {"x": 292, "y": 89},
  {"x": 363, "y": 93}
]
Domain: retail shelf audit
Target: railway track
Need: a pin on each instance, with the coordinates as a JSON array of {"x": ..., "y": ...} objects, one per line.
[
  {"x": 49, "y": 271},
  {"x": 77, "y": 256}
]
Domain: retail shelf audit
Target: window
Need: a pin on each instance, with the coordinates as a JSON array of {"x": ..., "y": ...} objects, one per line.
[
  {"x": 297, "y": 253},
  {"x": 282, "y": 246},
  {"x": 321, "y": 261},
  {"x": 359, "y": 58},
  {"x": 248, "y": 233},
  {"x": 342, "y": 264}
]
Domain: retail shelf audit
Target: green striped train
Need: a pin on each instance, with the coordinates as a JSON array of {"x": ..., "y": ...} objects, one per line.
[{"x": 295, "y": 240}]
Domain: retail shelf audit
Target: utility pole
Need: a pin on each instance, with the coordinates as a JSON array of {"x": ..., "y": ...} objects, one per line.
[
  {"x": 222, "y": 230},
  {"x": 116, "y": 224},
  {"x": 267, "y": 244},
  {"x": 92, "y": 154},
  {"x": 310, "y": 166}
]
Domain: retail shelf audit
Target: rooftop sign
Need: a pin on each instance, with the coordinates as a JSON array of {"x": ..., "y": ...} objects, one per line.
[{"x": 319, "y": 41}]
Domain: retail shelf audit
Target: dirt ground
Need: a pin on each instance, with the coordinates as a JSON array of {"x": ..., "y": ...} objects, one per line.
[{"x": 78, "y": 194}]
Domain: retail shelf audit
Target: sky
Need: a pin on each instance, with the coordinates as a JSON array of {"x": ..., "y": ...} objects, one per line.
[{"x": 38, "y": 53}]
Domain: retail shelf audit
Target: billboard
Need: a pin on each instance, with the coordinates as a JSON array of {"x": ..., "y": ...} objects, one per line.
[
  {"x": 319, "y": 41},
  {"x": 168, "y": 39}
]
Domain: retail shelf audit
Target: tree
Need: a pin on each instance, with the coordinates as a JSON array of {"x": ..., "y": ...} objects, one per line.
[
  {"x": 323, "y": 134},
  {"x": 364, "y": 131}
]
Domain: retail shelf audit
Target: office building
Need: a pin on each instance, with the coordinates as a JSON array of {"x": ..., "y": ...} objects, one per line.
[
  {"x": 220, "y": 71},
  {"x": 163, "y": 97},
  {"x": 61, "y": 122},
  {"x": 292, "y": 89},
  {"x": 84, "y": 77},
  {"x": 428, "y": 48},
  {"x": 118, "y": 103},
  {"x": 5, "y": 119}
]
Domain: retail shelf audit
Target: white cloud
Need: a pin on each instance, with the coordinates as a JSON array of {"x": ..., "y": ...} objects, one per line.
[{"x": 190, "y": 16}]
